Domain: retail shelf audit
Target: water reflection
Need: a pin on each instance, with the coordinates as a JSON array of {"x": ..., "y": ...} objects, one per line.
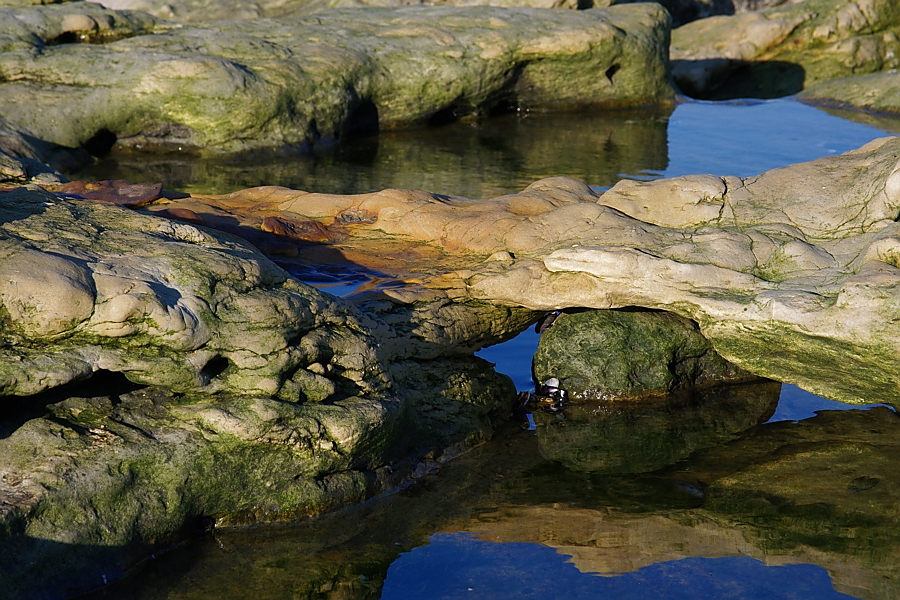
[
  {"x": 823, "y": 491},
  {"x": 795, "y": 404},
  {"x": 461, "y": 566},
  {"x": 478, "y": 160},
  {"x": 643, "y": 436}
]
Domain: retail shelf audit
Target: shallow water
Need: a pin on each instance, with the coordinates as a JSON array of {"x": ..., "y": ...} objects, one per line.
[{"x": 776, "y": 501}]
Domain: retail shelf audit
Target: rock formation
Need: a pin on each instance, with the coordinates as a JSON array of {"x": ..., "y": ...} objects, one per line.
[
  {"x": 293, "y": 83},
  {"x": 270, "y": 399},
  {"x": 295, "y": 402},
  {"x": 790, "y": 275},
  {"x": 628, "y": 354},
  {"x": 877, "y": 93}
]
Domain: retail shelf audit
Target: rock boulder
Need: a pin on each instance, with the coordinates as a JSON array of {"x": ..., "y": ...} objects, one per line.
[{"x": 628, "y": 354}]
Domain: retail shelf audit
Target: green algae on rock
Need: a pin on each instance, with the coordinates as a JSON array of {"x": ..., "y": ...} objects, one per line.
[
  {"x": 628, "y": 354},
  {"x": 94, "y": 487},
  {"x": 293, "y": 83},
  {"x": 781, "y": 50}
]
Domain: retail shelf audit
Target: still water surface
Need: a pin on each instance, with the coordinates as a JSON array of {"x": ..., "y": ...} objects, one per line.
[{"x": 745, "y": 492}]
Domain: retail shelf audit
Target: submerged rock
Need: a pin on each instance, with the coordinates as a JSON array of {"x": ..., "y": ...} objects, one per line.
[
  {"x": 293, "y": 83},
  {"x": 622, "y": 354},
  {"x": 781, "y": 50}
]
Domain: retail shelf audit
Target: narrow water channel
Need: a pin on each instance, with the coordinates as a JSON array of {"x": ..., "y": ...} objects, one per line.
[{"x": 748, "y": 491}]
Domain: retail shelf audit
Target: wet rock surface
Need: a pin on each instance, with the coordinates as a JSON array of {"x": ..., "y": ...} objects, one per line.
[
  {"x": 782, "y": 50},
  {"x": 295, "y": 83},
  {"x": 628, "y": 354}
]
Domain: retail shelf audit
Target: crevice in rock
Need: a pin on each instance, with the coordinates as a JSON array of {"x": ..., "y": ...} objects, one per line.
[
  {"x": 215, "y": 367},
  {"x": 446, "y": 115},
  {"x": 362, "y": 120},
  {"x": 17, "y": 410},
  {"x": 611, "y": 71},
  {"x": 101, "y": 143}
]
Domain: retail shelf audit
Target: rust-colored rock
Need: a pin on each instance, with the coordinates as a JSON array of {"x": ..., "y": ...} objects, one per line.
[{"x": 111, "y": 191}]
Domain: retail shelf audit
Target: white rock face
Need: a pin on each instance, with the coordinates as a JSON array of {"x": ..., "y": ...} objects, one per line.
[{"x": 792, "y": 274}]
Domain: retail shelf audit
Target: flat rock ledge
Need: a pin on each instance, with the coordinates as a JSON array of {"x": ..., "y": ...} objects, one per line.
[{"x": 296, "y": 82}]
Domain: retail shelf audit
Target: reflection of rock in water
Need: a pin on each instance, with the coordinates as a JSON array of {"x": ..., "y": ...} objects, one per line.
[
  {"x": 638, "y": 437},
  {"x": 822, "y": 491},
  {"x": 782, "y": 493},
  {"x": 496, "y": 156}
]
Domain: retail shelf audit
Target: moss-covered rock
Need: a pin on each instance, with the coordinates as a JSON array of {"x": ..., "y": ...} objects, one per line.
[
  {"x": 781, "y": 50},
  {"x": 293, "y": 83},
  {"x": 98, "y": 484},
  {"x": 612, "y": 354}
]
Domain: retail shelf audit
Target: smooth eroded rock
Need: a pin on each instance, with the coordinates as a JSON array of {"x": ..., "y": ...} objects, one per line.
[{"x": 875, "y": 92}]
